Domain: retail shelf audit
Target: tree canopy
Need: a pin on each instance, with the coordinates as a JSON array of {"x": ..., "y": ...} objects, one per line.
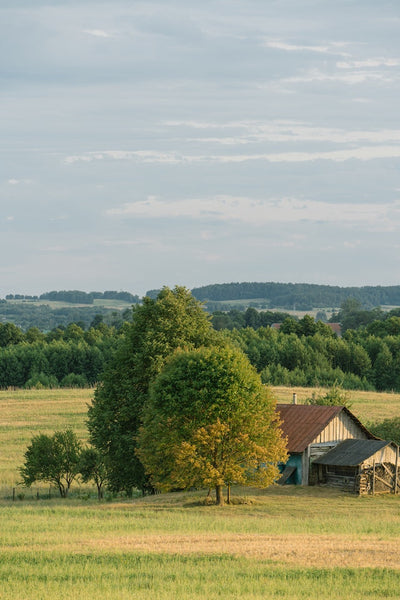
[
  {"x": 210, "y": 422},
  {"x": 159, "y": 326},
  {"x": 53, "y": 459}
]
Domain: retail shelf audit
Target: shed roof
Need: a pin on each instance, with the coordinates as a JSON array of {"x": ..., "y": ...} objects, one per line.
[
  {"x": 302, "y": 423},
  {"x": 351, "y": 453}
]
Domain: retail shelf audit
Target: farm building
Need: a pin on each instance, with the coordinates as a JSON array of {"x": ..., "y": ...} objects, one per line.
[
  {"x": 359, "y": 466},
  {"x": 312, "y": 431}
]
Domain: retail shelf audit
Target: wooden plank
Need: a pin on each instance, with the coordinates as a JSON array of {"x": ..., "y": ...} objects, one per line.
[
  {"x": 389, "y": 485},
  {"x": 373, "y": 477}
]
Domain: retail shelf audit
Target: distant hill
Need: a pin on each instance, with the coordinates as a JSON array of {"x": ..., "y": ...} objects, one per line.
[
  {"x": 298, "y": 296},
  {"x": 78, "y": 297}
]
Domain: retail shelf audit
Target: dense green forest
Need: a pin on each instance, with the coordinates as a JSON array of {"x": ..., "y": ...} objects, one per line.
[
  {"x": 297, "y": 296},
  {"x": 66, "y": 356},
  {"x": 302, "y": 352}
]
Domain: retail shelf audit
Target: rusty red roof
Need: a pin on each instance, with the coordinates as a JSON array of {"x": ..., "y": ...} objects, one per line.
[{"x": 301, "y": 423}]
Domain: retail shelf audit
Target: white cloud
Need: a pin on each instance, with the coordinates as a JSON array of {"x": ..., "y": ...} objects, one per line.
[
  {"x": 286, "y": 131},
  {"x": 261, "y": 212},
  {"x": 98, "y": 33},
  {"x": 360, "y": 153},
  {"x": 142, "y": 155},
  {"x": 349, "y": 78},
  {"x": 330, "y": 48},
  {"x": 368, "y": 63},
  {"x": 14, "y": 181}
]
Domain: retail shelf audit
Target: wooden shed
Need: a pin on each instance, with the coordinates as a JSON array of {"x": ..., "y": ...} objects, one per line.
[
  {"x": 360, "y": 466},
  {"x": 311, "y": 432}
]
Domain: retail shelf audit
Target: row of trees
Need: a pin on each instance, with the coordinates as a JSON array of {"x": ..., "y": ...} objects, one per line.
[
  {"x": 69, "y": 356},
  {"x": 45, "y": 318},
  {"x": 357, "y": 361},
  {"x": 303, "y": 352},
  {"x": 299, "y": 295}
]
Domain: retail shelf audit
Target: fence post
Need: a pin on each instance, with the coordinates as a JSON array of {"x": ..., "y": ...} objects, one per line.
[{"x": 373, "y": 478}]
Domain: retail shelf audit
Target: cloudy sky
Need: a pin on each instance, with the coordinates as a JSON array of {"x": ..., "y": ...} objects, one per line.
[{"x": 147, "y": 143}]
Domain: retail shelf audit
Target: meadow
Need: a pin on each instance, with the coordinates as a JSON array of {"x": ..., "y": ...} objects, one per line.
[{"x": 290, "y": 542}]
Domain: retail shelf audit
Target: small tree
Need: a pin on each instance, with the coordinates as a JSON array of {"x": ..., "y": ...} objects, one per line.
[
  {"x": 210, "y": 422},
  {"x": 335, "y": 396},
  {"x": 53, "y": 459},
  {"x": 92, "y": 466}
]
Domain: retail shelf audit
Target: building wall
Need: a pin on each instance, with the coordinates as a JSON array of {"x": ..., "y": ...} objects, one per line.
[
  {"x": 386, "y": 455},
  {"x": 342, "y": 427}
]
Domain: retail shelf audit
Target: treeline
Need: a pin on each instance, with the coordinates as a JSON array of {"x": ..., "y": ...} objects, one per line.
[
  {"x": 45, "y": 318},
  {"x": 78, "y": 297},
  {"x": 299, "y": 296},
  {"x": 237, "y": 319},
  {"x": 306, "y": 353},
  {"x": 66, "y": 356}
]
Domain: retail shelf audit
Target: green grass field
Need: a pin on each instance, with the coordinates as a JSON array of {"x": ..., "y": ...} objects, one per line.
[{"x": 284, "y": 542}]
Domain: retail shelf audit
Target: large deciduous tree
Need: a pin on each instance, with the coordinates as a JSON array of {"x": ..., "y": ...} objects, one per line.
[
  {"x": 159, "y": 326},
  {"x": 210, "y": 422}
]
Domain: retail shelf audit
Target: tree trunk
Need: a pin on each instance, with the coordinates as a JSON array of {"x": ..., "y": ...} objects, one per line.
[
  {"x": 219, "y": 495},
  {"x": 99, "y": 491},
  {"x": 228, "y": 494}
]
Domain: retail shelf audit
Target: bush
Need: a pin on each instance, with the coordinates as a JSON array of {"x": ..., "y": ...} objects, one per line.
[
  {"x": 39, "y": 381},
  {"x": 74, "y": 381}
]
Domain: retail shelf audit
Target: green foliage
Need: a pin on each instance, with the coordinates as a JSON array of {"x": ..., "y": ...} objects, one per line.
[
  {"x": 92, "y": 467},
  {"x": 388, "y": 429},
  {"x": 72, "y": 380},
  {"x": 336, "y": 396},
  {"x": 210, "y": 422},
  {"x": 41, "y": 380},
  {"x": 301, "y": 296},
  {"x": 174, "y": 320},
  {"x": 53, "y": 459}
]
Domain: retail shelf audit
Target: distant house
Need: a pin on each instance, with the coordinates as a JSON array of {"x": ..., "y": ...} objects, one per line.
[
  {"x": 311, "y": 432},
  {"x": 336, "y": 328}
]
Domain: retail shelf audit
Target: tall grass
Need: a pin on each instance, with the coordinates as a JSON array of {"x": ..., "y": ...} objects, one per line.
[{"x": 162, "y": 577}]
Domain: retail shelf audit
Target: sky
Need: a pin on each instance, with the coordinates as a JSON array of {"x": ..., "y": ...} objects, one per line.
[{"x": 149, "y": 143}]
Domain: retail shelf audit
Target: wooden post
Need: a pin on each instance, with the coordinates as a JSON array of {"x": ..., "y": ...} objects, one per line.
[
  {"x": 396, "y": 469},
  {"x": 13, "y": 494},
  {"x": 373, "y": 478}
]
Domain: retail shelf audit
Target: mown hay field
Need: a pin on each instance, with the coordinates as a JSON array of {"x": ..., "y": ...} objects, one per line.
[{"x": 290, "y": 542}]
